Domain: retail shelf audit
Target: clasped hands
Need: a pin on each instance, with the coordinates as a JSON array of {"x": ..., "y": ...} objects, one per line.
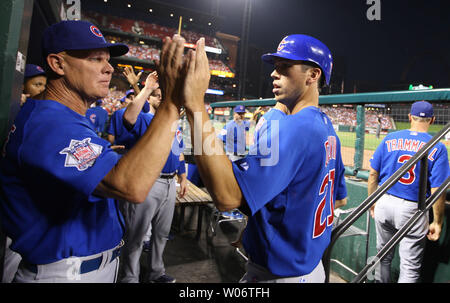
[{"x": 183, "y": 81}]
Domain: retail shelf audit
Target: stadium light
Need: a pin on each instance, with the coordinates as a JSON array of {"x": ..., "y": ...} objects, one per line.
[
  {"x": 129, "y": 5},
  {"x": 150, "y": 10},
  {"x": 190, "y": 19},
  {"x": 171, "y": 14}
]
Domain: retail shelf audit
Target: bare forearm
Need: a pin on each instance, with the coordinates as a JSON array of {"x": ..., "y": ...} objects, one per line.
[
  {"x": 134, "y": 108},
  {"x": 340, "y": 203},
  {"x": 438, "y": 208},
  {"x": 372, "y": 182},
  {"x": 135, "y": 173},
  {"x": 214, "y": 166}
]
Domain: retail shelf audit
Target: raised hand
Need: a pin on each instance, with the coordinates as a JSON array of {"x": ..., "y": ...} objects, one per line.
[
  {"x": 152, "y": 81},
  {"x": 169, "y": 68},
  {"x": 197, "y": 76},
  {"x": 132, "y": 78}
]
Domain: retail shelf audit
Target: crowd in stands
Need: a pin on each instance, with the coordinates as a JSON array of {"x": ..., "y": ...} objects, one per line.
[
  {"x": 147, "y": 52},
  {"x": 148, "y": 29},
  {"x": 347, "y": 116}
]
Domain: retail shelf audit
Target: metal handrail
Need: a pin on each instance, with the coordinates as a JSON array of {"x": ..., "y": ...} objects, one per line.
[
  {"x": 369, "y": 201},
  {"x": 401, "y": 232}
]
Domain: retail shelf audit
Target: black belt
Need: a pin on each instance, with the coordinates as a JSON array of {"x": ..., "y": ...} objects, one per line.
[
  {"x": 167, "y": 176},
  {"x": 239, "y": 155},
  {"x": 85, "y": 267}
]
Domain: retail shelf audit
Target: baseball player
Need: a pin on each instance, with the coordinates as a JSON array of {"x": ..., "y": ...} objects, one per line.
[
  {"x": 59, "y": 180},
  {"x": 234, "y": 134},
  {"x": 399, "y": 203},
  {"x": 98, "y": 116},
  {"x": 289, "y": 203},
  {"x": 153, "y": 218},
  {"x": 117, "y": 133},
  {"x": 34, "y": 84}
]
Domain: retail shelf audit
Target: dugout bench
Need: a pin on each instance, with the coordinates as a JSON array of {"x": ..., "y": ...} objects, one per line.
[{"x": 194, "y": 197}]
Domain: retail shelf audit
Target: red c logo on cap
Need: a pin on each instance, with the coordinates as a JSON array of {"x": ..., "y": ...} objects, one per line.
[{"x": 96, "y": 31}]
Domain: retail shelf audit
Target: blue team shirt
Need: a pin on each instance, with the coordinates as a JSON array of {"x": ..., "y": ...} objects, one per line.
[
  {"x": 52, "y": 163},
  {"x": 291, "y": 221},
  {"x": 173, "y": 161},
  {"x": 396, "y": 149},
  {"x": 233, "y": 135},
  {"x": 98, "y": 116},
  {"x": 121, "y": 135}
]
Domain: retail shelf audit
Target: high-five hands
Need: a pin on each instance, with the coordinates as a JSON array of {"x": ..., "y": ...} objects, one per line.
[
  {"x": 197, "y": 76},
  {"x": 184, "y": 83},
  {"x": 169, "y": 69}
]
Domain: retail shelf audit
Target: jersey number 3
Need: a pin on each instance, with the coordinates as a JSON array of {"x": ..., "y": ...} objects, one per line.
[
  {"x": 319, "y": 225},
  {"x": 410, "y": 176}
]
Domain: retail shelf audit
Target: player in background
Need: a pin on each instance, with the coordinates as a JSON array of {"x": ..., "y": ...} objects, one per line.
[
  {"x": 34, "y": 84},
  {"x": 98, "y": 117},
  {"x": 152, "y": 219},
  {"x": 234, "y": 134},
  {"x": 289, "y": 203},
  {"x": 399, "y": 203}
]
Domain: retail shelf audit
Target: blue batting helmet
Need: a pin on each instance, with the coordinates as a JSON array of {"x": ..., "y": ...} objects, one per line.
[{"x": 304, "y": 48}]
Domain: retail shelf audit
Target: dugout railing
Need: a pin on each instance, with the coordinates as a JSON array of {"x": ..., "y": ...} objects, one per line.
[{"x": 424, "y": 205}]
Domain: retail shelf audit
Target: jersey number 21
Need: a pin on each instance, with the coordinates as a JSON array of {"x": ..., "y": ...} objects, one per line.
[{"x": 319, "y": 225}]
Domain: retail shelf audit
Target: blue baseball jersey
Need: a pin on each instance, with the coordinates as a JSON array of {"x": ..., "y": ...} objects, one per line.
[
  {"x": 173, "y": 161},
  {"x": 233, "y": 135},
  {"x": 291, "y": 219},
  {"x": 98, "y": 116},
  {"x": 52, "y": 162},
  {"x": 121, "y": 135},
  {"x": 396, "y": 149}
]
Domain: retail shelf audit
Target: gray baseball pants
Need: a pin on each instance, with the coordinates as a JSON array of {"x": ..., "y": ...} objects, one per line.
[
  {"x": 155, "y": 214},
  {"x": 391, "y": 214},
  {"x": 11, "y": 263}
]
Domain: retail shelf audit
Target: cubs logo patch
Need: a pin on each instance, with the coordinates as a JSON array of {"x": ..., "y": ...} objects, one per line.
[
  {"x": 282, "y": 44},
  {"x": 179, "y": 135},
  {"x": 81, "y": 154},
  {"x": 94, "y": 29},
  {"x": 93, "y": 117}
]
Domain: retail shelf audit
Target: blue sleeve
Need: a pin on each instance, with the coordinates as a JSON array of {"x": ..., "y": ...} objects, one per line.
[
  {"x": 277, "y": 168},
  {"x": 340, "y": 185},
  {"x": 112, "y": 124},
  {"x": 375, "y": 161},
  {"x": 140, "y": 126},
  {"x": 73, "y": 157},
  {"x": 440, "y": 170}
]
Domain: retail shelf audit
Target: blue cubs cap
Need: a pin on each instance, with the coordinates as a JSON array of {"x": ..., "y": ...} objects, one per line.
[
  {"x": 127, "y": 93},
  {"x": 77, "y": 35},
  {"x": 304, "y": 48},
  {"x": 99, "y": 101},
  {"x": 422, "y": 109},
  {"x": 239, "y": 109},
  {"x": 32, "y": 70}
]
